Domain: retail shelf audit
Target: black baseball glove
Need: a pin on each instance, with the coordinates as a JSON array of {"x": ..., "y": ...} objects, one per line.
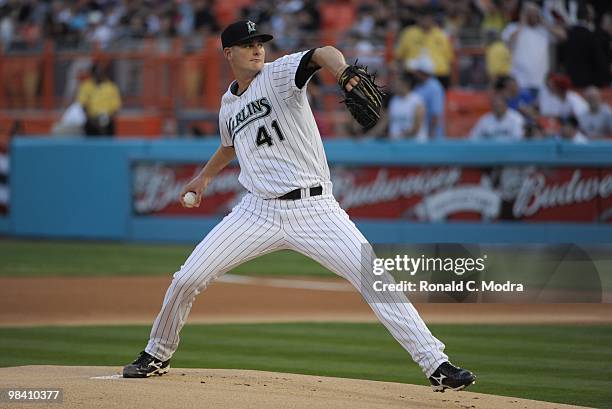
[{"x": 365, "y": 100}]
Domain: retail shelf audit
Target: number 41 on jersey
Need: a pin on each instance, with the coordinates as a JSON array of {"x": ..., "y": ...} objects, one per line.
[{"x": 263, "y": 136}]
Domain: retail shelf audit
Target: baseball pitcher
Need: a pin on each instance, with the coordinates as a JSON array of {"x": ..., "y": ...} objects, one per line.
[{"x": 266, "y": 122}]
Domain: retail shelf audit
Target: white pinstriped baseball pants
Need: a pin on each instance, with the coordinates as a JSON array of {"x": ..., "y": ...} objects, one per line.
[{"x": 316, "y": 227}]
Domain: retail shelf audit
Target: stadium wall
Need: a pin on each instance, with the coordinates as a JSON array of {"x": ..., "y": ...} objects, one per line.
[{"x": 67, "y": 188}]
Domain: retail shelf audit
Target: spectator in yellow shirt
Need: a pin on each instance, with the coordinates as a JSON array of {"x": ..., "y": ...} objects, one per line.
[
  {"x": 498, "y": 57},
  {"x": 86, "y": 87},
  {"x": 101, "y": 101},
  {"x": 495, "y": 14},
  {"x": 427, "y": 38}
]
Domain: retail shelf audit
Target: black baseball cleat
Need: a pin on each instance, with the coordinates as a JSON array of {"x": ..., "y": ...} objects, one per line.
[
  {"x": 144, "y": 366},
  {"x": 448, "y": 376}
]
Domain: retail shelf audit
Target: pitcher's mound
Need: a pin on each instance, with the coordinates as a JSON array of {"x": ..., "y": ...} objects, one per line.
[{"x": 102, "y": 387}]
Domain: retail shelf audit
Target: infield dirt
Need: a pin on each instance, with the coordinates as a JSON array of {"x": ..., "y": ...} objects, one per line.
[
  {"x": 101, "y": 387},
  {"x": 136, "y": 300}
]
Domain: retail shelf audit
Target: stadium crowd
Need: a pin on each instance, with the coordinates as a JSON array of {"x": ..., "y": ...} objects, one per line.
[{"x": 546, "y": 65}]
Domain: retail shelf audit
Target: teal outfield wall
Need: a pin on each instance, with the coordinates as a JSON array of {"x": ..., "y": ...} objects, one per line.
[{"x": 82, "y": 188}]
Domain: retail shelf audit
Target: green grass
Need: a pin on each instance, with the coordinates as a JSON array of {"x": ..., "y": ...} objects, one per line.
[
  {"x": 569, "y": 364},
  {"x": 29, "y": 258}
]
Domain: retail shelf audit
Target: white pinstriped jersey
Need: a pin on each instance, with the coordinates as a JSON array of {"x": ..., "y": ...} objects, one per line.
[{"x": 273, "y": 131}]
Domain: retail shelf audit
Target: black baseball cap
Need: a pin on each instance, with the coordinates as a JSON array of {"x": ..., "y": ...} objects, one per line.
[{"x": 241, "y": 32}]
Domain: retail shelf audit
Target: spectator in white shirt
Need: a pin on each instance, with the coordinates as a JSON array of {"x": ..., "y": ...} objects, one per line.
[
  {"x": 98, "y": 31},
  {"x": 597, "y": 121},
  {"x": 501, "y": 124},
  {"x": 570, "y": 131},
  {"x": 530, "y": 41},
  {"x": 405, "y": 117},
  {"x": 556, "y": 99}
]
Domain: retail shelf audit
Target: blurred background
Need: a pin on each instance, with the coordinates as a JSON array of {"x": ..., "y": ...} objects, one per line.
[
  {"x": 549, "y": 60},
  {"x": 496, "y": 110}
]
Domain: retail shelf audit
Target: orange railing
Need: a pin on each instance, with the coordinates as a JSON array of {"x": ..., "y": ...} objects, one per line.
[
  {"x": 29, "y": 80},
  {"x": 166, "y": 82},
  {"x": 155, "y": 82},
  {"x": 157, "y": 79}
]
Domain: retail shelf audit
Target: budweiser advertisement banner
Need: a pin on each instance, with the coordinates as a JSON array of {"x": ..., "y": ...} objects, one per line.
[{"x": 426, "y": 194}]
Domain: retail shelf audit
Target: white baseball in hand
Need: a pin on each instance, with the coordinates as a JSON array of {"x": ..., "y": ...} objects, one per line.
[{"x": 190, "y": 199}]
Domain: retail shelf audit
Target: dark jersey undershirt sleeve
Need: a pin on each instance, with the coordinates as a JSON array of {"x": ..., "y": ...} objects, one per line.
[{"x": 304, "y": 72}]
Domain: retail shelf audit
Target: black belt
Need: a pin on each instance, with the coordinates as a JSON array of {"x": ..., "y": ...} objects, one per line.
[{"x": 297, "y": 193}]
